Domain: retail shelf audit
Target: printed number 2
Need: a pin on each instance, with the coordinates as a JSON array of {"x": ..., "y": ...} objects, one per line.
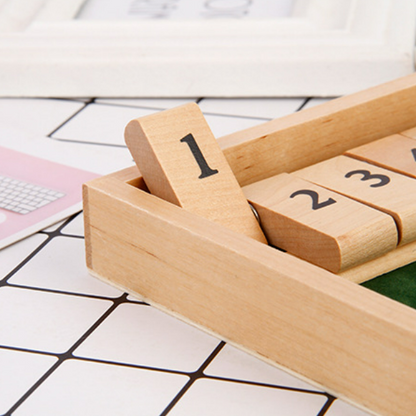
[
  {"x": 199, "y": 157},
  {"x": 315, "y": 198}
]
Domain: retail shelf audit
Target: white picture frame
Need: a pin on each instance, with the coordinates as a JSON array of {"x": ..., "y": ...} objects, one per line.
[{"x": 325, "y": 48}]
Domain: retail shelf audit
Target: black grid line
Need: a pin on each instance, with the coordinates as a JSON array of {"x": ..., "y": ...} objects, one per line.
[
  {"x": 59, "y": 232},
  {"x": 88, "y": 143},
  {"x": 67, "y": 355},
  {"x": 139, "y": 107},
  {"x": 193, "y": 377},
  {"x": 200, "y": 374},
  {"x": 207, "y": 113},
  {"x": 51, "y": 235},
  {"x": 86, "y": 104},
  {"x": 55, "y": 133},
  {"x": 327, "y": 405},
  {"x": 303, "y": 104}
]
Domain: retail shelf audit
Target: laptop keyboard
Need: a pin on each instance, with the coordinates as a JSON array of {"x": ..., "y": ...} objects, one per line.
[{"x": 23, "y": 197}]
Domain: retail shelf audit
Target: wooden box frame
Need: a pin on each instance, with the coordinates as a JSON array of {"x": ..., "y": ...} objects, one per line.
[
  {"x": 326, "y": 48},
  {"x": 353, "y": 342}
]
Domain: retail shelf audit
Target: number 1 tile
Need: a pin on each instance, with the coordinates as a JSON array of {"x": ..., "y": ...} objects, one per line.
[{"x": 181, "y": 162}]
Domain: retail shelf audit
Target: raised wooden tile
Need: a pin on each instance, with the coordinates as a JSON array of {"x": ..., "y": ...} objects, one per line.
[
  {"x": 395, "y": 152},
  {"x": 377, "y": 187},
  {"x": 318, "y": 225},
  {"x": 181, "y": 162}
]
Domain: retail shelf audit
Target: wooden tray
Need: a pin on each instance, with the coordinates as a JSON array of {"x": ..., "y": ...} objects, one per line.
[{"x": 353, "y": 342}]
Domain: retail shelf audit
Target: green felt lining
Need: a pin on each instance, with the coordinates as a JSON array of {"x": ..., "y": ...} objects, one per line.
[{"x": 399, "y": 285}]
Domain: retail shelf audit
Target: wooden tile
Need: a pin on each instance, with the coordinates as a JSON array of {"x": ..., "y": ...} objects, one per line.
[
  {"x": 395, "y": 152},
  {"x": 410, "y": 133},
  {"x": 380, "y": 188},
  {"x": 181, "y": 162},
  {"x": 318, "y": 225}
]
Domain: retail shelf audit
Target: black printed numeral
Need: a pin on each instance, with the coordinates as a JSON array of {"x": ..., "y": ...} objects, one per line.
[
  {"x": 315, "y": 198},
  {"x": 414, "y": 154},
  {"x": 199, "y": 157},
  {"x": 367, "y": 176}
]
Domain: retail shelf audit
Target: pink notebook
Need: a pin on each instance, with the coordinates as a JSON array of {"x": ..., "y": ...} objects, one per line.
[{"x": 36, "y": 193}]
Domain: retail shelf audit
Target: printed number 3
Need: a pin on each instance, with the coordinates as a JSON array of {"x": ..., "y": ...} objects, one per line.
[
  {"x": 199, "y": 157},
  {"x": 366, "y": 176},
  {"x": 315, "y": 198}
]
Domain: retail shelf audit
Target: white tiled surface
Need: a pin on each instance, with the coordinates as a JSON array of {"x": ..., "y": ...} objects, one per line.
[
  {"x": 266, "y": 108},
  {"x": 153, "y": 103},
  {"x": 100, "y": 124},
  {"x": 11, "y": 256},
  {"x": 45, "y": 321},
  {"x": 78, "y": 154},
  {"x": 315, "y": 101},
  {"x": 212, "y": 397},
  {"x": 340, "y": 408},
  {"x": 145, "y": 336},
  {"x": 238, "y": 365},
  {"x": 65, "y": 274},
  {"x": 75, "y": 227},
  {"x": 19, "y": 372},
  {"x": 70, "y": 345},
  {"x": 87, "y": 388},
  {"x": 35, "y": 116}
]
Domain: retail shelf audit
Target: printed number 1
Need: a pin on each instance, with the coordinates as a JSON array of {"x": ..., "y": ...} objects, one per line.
[{"x": 199, "y": 157}]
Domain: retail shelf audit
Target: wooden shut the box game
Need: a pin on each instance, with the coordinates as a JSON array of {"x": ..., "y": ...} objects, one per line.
[{"x": 300, "y": 306}]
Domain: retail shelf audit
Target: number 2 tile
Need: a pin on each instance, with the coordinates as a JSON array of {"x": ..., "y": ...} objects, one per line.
[
  {"x": 379, "y": 188},
  {"x": 319, "y": 225}
]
